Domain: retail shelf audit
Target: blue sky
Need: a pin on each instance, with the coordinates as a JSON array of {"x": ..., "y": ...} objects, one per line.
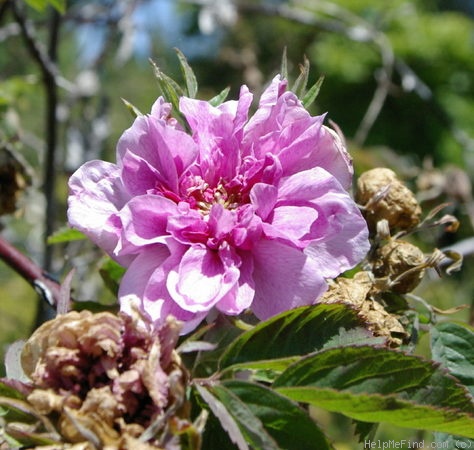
[{"x": 153, "y": 19}]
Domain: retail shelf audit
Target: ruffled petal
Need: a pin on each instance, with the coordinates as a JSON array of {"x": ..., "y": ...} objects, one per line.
[
  {"x": 240, "y": 297},
  {"x": 96, "y": 194},
  {"x": 145, "y": 222},
  {"x": 305, "y": 187},
  {"x": 136, "y": 280},
  {"x": 293, "y": 223},
  {"x": 218, "y": 132},
  {"x": 263, "y": 197},
  {"x": 337, "y": 235},
  {"x": 203, "y": 277},
  {"x": 285, "y": 278},
  {"x": 311, "y": 144},
  {"x": 345, "y": 239},
  {"x": 167, "y": 150}
]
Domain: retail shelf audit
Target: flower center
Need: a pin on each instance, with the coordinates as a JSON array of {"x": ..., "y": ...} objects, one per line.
[{"x": 202, "y": 197}]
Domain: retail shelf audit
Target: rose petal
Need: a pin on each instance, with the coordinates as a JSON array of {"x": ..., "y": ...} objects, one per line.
[
  {"x": 263, "y": 197},
  {"x": 145, "y": 221},
  {"x": 285, "y": 278},
  {"x": 96, "y": 195},
  {"x": 168, "y": 150},
  {"x": 203, "y": 277},
  {"x": 241, "y": 295}
]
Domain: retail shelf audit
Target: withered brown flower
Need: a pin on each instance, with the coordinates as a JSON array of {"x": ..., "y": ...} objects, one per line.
[
  {"x": 106, "y": 379},
  {"x": 361, "y": 293}
]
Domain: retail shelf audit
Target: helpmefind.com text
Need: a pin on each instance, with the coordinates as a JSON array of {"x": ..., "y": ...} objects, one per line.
[{"x": 409, "y": 444}]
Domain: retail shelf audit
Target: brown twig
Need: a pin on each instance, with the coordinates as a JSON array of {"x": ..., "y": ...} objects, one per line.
[{"x": 48, "y": 289}]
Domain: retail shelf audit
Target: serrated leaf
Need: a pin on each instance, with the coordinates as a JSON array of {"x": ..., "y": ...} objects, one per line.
[
  {"x": 288, "y": 424},
  {"x": 452, "y": 345},
  {"x": 188, "y": 74},
  {"x": 133, "y": 109},
  {"x": 225, "y": 418},
  {"x": 16, "y": 410},
  {"x": 312, "y": 93},
  {"x": 297, "y": 332},
  {"x": 219, "y": 98},
  {"x": 66, "y": 234},
  {"x": 380, "y": 385},
  {"x": 365, "y": 430},
  {"x": 249, "y": 424},
  {"x": 388, "y": 409}
]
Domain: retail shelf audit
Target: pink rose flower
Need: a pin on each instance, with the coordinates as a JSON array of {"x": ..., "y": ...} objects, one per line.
[{"x": 243, "y": 213}]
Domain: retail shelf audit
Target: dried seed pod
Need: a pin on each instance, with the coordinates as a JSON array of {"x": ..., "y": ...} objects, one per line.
[
  {"x": 386, "y": 197},
  {"x": 357, "y": 292},
  {"x": 401, "y": 263}
]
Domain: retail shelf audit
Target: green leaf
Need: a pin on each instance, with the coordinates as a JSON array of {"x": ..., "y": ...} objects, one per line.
[
  {"x": 112, "y": 273},
  {"x": 224, "y": 416},
  {"x": 312, "y": 93},
  {"x": 249, "y": 424},
  {"x": 287, "y": 423},
  {"x": 133, "y": 109},
  {"x": 66, "y": 234},
  {"x": 16, "y": 410},
  {"x": 380, "y": 385},
  {"x": 297, "y": 332},
  {"x": 452, "y": 345},
  {"x": 219, "y": 98},
  {"x": 40, "y": 5},
  {"x": 170, "y": 90},
  {"x": 188, "y": 74}
]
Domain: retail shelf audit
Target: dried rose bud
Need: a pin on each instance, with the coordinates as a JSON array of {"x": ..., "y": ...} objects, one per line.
[
  {"x": 357, "y": 292},
  {"x": 386, "y": 197},
  {"x": 105, "y": 378},
  {"x": 401, "y": 263}
]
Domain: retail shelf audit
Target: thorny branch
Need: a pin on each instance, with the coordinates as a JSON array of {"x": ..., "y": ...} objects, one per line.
[{"x": 47, "y": 288}]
